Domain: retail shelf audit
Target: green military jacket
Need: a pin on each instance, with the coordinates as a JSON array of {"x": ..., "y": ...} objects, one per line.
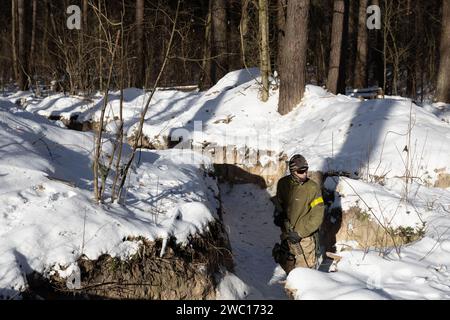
[{"x": 301, "y": 203}]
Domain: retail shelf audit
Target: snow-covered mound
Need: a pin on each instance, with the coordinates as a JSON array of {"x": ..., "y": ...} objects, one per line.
[
  {"x": 421, "y": 272},
  {"x": 371, "y": 139},
  {"x": 440, "y": 109},
  {"x": 47, "y": 216},
  {"x": 59, "y": 105}
]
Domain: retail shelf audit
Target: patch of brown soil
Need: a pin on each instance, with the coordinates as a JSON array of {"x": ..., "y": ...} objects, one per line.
[
  {"x": 244, "y": 165},
  {"x": 442, "y": 181},
  {"x": 187, "y": 272},
  {"x": 145, "y": 143},
  {"x": 357, "y": 225}
]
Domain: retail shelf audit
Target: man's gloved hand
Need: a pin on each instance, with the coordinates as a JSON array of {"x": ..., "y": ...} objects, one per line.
[{"x": 293, "y": 237}]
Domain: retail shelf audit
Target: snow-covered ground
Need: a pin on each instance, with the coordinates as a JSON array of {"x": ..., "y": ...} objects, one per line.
[
  {"x": 421, "y": 272},
  {"x": 47, "y": 216},
  {"x": 249, "y": 223},
  {"x": 441, "y": 110},
  {"x": 393, "y": 151}
]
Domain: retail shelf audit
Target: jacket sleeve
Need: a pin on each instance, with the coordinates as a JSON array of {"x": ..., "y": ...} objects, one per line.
[
  {"x": 278, "y": 199},
  {"x": 312, "y": 221}
]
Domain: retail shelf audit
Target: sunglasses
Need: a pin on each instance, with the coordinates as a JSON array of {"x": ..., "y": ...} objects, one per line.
[{"x": 302, "y": 170}]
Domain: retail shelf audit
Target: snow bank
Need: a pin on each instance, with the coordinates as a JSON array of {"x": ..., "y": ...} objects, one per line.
[
  {"x": 48, "y": 219},
  {"x": 391, "y": 204},
  {"x": 440, "y": 110},
  {"x": 60, "y": 105},
  {"x": 231, "y": 288},
  {"x": 375, "y": 138},
  {"x": 420, "y": 273}
]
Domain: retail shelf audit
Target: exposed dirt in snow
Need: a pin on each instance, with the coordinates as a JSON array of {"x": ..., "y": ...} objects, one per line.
[
  {"x": 354, "y": 229},
  {"x": 183, "y": 272},
  {"x": 443, "y": 181}
]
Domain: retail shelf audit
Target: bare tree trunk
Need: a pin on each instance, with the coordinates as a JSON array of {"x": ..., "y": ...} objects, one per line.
[
  {"x": 336, "y": 45},
  {"x": 33, "y": 37},
  {"x": 264, "y": 48},
  {"x": 140, "y": 63},
  {"x": 205, "y": 79},
  {"x": 14, "y": 39},
  {"x": 443, "y": 80},
  {"x": 412, "y": 39},
  {"x": 44, "y": 51},
  {"x": 23, "y": 59},
  {"x": 281, "y": 25},
  {"x": 419, "y": 42},
  {"x": 293, "y": 56},
  {"x": 379, "y": 64},
  {"x": 361, "y": 55},
  {"x": 243, "y": 27},
  {"x": 162, "y": 52},
  {"x": 84, "y": 39},
  {"x": 100, "y": 49},
  {"x": 119, "y": 135},
  {"x": 321, "y": 67},
  {"x": 350, "y": 56},
  {"x": 219, "y": 36},
  {"x": 234, "y": 44},
  {"x": 385, "y": 34}
]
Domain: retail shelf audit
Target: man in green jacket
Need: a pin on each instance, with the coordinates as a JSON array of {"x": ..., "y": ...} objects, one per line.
[{"x": 299, "y": 211}]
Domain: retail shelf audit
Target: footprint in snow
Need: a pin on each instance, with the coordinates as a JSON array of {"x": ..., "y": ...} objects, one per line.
[
  {"x": 11, "y": 209},
  {"x": 57, "y": 195},
  {"x": 54, "y": 197}
]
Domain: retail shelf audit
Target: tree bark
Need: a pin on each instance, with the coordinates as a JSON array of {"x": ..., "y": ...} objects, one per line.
[
  {"x": 264, "y": 48},
  {"x": 420, "y": 44},
  {"x": 243, "y": 28},
  {"x": 100, "y": 47},
  {"x": 293, "y": 56},
  {"x": 85, "y": 77},
  {"x": 140, "y": 61},
  {"x": 219, "y": 37},
  {"x": 205, "y": 81},
  {"x": 379, "y": 63},
  {"x": 45, "y": 37},
  {"x": 336, "y": 45},
  {"x": 23, "y": 59},
  {"x": 351, "y": 22},
  {"x": 361, "y": 49},
  {"x": 14, "y": 39},
  {"x": 443, "y": 79},
  {"x": 412, "y": 38},
  {"x": 281, "y": 25},
  {"x": 234, "y": 44},
  {"x": 33, "y": 37}
]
